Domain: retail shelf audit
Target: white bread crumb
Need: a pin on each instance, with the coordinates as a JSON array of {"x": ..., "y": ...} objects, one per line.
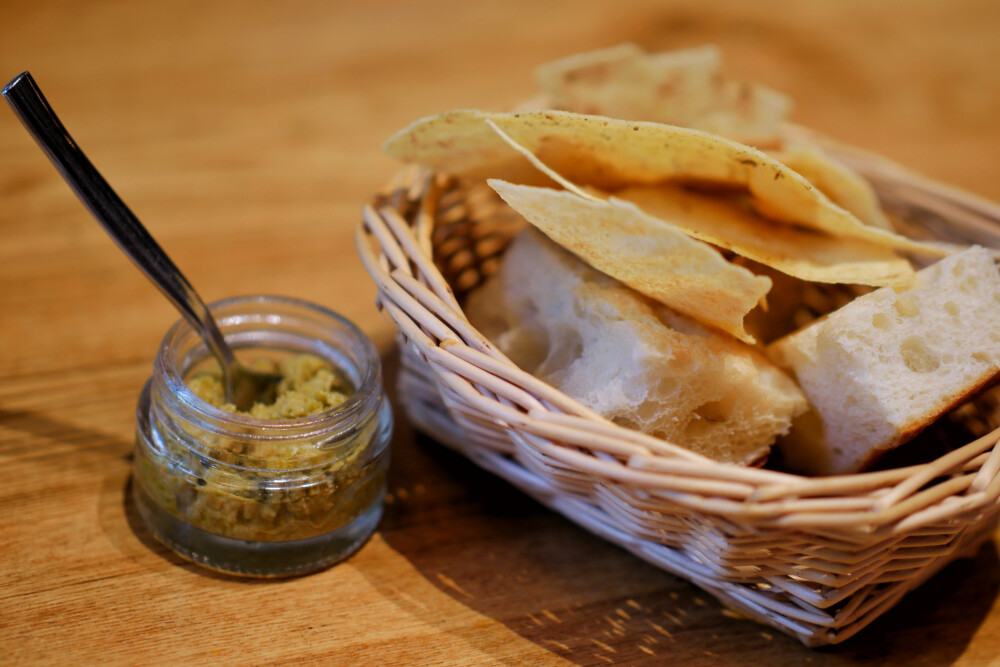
[
  {"x": 630, "y": 359},
  {"x": 885, "y": 366}
]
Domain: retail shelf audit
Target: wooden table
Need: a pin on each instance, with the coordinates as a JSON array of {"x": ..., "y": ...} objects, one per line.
[{"x": 246, "y": 136}]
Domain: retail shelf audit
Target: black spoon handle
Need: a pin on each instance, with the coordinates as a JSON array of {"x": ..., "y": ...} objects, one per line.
[{"x": 27, "y": 101}]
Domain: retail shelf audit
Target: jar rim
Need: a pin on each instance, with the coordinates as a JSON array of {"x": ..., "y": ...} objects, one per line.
[{"x": 369, "y": 365}]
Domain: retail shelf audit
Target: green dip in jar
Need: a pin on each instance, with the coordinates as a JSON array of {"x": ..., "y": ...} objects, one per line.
[{"x": 281, "y": 489}]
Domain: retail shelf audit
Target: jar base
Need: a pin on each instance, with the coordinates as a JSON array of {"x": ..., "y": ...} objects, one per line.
[{"x": 255, "y": 559}]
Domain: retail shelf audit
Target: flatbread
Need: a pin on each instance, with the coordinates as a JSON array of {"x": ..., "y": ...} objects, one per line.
[
  {"x": 731, "y": 224},
  {"x": 649, "y": 255},
  {"x": 611, "y": 154},
  {"x": 685, "y": 87},
  {"x": 844, "y": 186}
]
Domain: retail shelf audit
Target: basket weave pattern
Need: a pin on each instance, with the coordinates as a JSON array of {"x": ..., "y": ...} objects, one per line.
[{"x": 817, "y": 558}]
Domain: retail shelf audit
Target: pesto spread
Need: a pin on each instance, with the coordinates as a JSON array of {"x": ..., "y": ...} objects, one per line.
[
  {"x": 238, "y": 486},
  {"x": 308, "y": 386}
]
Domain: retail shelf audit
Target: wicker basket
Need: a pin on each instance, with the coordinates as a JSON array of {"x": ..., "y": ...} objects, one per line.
[{"x": 817, "y": 558}]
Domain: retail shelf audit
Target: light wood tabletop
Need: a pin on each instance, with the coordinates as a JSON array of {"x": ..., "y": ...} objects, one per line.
[{"x": 246, "y": 136}]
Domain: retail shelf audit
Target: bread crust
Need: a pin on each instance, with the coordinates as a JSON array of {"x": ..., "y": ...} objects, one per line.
[{"x": 913, "y": 429}]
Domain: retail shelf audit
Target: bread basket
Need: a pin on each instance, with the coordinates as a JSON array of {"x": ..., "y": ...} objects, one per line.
[{"x": 816, "y": 558}]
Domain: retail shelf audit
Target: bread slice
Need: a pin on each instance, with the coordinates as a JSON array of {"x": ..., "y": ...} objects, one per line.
[
  {"x": 630, "y": 359},
  {"x": 883, "y": 367}
]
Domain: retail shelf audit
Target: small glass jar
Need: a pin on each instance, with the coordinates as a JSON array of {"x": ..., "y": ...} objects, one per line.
[{"x": 263, "y": 497}]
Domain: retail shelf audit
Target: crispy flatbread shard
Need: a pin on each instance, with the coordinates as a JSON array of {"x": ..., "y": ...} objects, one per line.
[
  {"x": 462, "y": 143},
  {"x": 724, "y": 221},
  {"x": 844, "y": 186},
  {"x": 611, "y": 154},
  {"x": 685, "y": 87},
  {"x": 649, "y": 255},
  {"x": 556, "y": 177},
  {"x": 802, "y": 253}
]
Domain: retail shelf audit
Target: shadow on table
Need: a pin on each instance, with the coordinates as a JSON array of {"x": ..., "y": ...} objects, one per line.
[
  {"x": 72, "y": 449},
  {"x": 496, "y": 551}
]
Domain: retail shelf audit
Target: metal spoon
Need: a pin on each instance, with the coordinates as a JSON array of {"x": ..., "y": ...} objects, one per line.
[{"x": 243, "y": 385}]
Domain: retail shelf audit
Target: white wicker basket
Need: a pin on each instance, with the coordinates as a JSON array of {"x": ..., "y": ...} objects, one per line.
[{"x": 817, "y": 558}]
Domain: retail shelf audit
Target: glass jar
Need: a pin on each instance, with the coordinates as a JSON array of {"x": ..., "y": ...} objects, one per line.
[{"x": 263, "y": 497}]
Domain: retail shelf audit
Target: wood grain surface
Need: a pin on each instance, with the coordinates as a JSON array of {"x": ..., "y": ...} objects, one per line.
[{"x": 246, "y": 136}]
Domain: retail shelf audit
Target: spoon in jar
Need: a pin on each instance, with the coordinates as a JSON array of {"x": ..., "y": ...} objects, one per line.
[{"x": 243, "y": 385}]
